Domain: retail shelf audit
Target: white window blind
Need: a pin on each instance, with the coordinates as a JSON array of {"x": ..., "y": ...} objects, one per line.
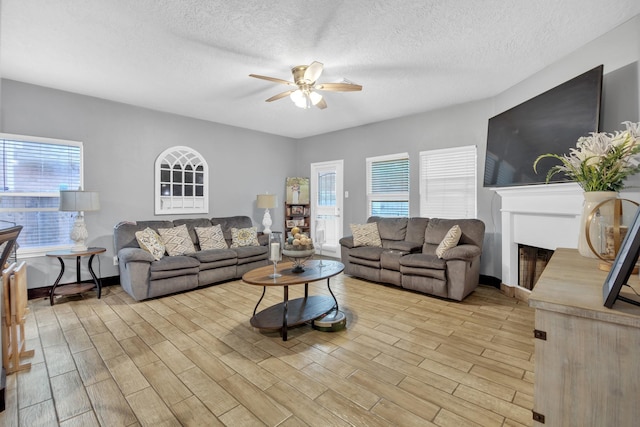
[
  {"x": 448, "y": 183},
  {"x": 34, "y": 170},
  {"x": 388, "y": 185}
]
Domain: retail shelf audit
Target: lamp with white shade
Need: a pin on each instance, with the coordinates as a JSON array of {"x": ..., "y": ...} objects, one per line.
[
  {"x": 79, "y": 201},
  {"x": 266, "y": 202}
]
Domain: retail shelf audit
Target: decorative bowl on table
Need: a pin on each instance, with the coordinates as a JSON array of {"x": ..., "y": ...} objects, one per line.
[{"x": 298, "y": 249}]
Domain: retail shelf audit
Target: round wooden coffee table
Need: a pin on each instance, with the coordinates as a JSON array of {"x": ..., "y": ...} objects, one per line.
[{"x": 297, "y": 311}]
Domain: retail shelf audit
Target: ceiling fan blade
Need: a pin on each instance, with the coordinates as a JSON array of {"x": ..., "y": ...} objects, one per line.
[
  {"x": 313, "y": 71},
  {"x": 272, "y": 79},
  {"x": 280, "y": 96},
  {"x": 322, "y": 104},
  {"x": 339, "y": 87}
]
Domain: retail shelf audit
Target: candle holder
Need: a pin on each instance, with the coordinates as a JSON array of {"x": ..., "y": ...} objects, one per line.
[
  {"x": 320, "y": 237},
  {"x": 275, "y": 251}
]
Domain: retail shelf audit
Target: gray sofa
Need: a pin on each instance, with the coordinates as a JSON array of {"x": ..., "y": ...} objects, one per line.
[
  {"x": 142, "y": 277},
  {"x": 407, "y": 257}
]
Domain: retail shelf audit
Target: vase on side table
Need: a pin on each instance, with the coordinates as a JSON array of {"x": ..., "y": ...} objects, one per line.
[{"x": 591, "y": 200}]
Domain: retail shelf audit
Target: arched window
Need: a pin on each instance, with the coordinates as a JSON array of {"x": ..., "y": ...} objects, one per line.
[{"x": 182, "y": 179}]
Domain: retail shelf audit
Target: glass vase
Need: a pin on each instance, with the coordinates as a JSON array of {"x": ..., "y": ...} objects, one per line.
[
  {"x": 320, "y": 238},
  {"x": 591, "y": 200},
  {"x": 275, "y": 251}
]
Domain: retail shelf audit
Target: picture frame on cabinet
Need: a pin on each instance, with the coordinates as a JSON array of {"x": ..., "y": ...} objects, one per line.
[
  {"x": 291, "y": 223},
  {"x": 297, "y": 210},
  {"x": 623, "y": 266}
]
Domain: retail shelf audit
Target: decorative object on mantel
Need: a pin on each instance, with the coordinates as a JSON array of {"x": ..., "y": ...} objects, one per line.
[
  {"x": 600, "y": 163},
  {"x": 608, "y": 220}
]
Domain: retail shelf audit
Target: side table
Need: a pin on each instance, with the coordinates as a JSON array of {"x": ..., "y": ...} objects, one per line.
[{"x": 78, "y": 287}]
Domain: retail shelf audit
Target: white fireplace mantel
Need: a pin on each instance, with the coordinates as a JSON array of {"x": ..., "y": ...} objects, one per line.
[{"x": 545, "y": 216}]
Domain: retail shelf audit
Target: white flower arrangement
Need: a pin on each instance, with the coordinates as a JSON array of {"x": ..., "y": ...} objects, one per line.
[{"x": 600, "y": 161}]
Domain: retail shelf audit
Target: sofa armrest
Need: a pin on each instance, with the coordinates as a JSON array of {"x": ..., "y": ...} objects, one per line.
[
  {"x": 463, "y": 252},
  {"x": 263, "y": 239},
  {"x": 127, "y": 255},
  {"x": 347, "y": 242}
]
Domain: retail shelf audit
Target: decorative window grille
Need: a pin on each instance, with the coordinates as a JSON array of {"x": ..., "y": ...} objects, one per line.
[{"x": 182, "y": 179}]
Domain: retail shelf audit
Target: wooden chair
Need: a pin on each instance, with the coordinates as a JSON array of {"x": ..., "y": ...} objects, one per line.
[
  {"x": 14, "y": 305},
  {"x": 14, "y": 280}
]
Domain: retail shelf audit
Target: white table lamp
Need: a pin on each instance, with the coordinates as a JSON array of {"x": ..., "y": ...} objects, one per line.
[
  {"x": 79, "y": 201},
  {"x": 266, "y": 202}
]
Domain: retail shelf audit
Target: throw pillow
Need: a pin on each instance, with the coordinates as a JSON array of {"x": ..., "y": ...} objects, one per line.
[
  {"x": 450, "y": 240},
  {"x": 244, "y": 237},
  {"x": 177, "y": 240},
  {"x": 150, "y": 242},
  {"x": 211, "y": 237},
  {"x": 366, "y": 234}
]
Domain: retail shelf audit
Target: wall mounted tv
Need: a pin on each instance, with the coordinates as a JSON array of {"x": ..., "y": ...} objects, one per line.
[{"x": 551, "y": 122}]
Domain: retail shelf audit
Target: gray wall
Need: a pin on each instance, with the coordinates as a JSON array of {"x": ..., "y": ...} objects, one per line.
[
  {"x": 122, "y": 142},
  {"x": 618, "y": 50}
]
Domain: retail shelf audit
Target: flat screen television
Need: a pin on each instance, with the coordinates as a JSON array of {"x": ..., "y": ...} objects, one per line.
[{"x": 551, "y": 122}]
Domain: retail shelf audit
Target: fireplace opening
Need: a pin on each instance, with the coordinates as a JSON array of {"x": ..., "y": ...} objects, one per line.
[{"x": 531, "y": 264}]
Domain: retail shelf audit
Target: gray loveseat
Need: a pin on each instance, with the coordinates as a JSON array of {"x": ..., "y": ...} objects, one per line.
[
  {"x": 407, "y": 257},
  {"x": 142, "y": 277}
]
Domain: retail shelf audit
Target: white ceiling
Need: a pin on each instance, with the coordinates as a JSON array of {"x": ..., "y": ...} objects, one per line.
[{"x": 193, "y": 57}]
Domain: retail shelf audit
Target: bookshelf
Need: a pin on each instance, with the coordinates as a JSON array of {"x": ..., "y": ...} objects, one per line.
[{"x": 297, "y": 215}]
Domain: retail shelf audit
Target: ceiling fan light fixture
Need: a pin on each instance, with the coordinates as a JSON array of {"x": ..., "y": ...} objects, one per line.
[
  {"x": 315, "y": 97},
  {"x": 298, "y": 97}
]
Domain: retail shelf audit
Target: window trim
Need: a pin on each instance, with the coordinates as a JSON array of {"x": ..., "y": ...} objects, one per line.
[
  {"x": 459, "y": 151},
  {"x": 179, "y": 152},
  {"x": 42, "y": 250},
  {"x": 390, "y": 197}
]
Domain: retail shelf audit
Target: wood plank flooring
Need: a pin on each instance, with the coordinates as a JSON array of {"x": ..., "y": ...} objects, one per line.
[{"x": 193, "y": 359}]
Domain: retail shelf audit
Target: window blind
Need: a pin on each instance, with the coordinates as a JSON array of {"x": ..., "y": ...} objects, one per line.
[
  {"x": 388, "y": 185},
  {"x": 448, "y": 183},
  {"x": 33, "y": 171}
]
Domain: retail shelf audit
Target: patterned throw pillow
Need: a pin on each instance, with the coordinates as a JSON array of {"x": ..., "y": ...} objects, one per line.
[
  {"x": 211, "y": 237},
  {"x": 150, "y": 242},
  {"x": 177, "y": 240},
  {"x": 244, "y": 237},
  {"x": 366, "y": 234},
  {"x": 450, "y": 240}
]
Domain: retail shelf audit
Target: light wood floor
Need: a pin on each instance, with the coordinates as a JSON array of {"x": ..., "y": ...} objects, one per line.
[{"x": 405, "y": 359}]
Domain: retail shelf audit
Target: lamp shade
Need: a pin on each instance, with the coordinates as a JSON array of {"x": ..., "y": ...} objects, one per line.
[
  {"x": 78, "y": 201},
  {"x": 267, "y": 201}
]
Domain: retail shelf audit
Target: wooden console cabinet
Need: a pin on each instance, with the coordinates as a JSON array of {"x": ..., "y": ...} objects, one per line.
[{"x": 587, "y": 357}]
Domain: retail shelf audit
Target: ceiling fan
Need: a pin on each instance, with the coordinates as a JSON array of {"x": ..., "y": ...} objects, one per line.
[{"x": 305, "y": 81}]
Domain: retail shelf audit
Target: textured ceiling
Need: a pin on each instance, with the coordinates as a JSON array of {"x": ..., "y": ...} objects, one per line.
[{"x": 193, "y": 57}]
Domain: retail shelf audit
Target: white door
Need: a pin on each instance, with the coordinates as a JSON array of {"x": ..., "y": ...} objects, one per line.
[{"x": 326, "y": 206}]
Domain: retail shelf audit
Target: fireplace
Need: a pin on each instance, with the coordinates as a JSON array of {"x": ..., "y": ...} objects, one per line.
[{"x": 543, "y": 216}]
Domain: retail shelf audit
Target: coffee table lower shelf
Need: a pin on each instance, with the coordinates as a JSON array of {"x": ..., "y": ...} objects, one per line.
[{"x": 298, "y": 311}]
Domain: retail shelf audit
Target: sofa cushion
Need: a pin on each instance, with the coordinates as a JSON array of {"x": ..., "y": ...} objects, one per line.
[
  {"x": 449, "y": 241},
  {"x": 366, "y": 234},
  {"x": 366, "y": 252},
  {"x": 227, "y": 223},
  {"x": 178, "y": 262},
  {"x": 423, "y": 261},
  {"x": 250, "y": 251},
  {"x": 415, "y": 229},
  {"x": 177, "y": 240},
  {"x": 390, "y": 228},
  {"x": 211, "y": 255},
  {"x": 241, "y": 237},
  {"x": 211, "y": 237},
  {"x": 472, "y": 230},
  {"x": 191, "y": 224},
  {"x": 402, "y": 245},
  {"x": 151, "y": 242}
]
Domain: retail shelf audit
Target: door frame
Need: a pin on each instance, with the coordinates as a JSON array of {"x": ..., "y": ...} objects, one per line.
[{"x": 338, "y": 166}]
